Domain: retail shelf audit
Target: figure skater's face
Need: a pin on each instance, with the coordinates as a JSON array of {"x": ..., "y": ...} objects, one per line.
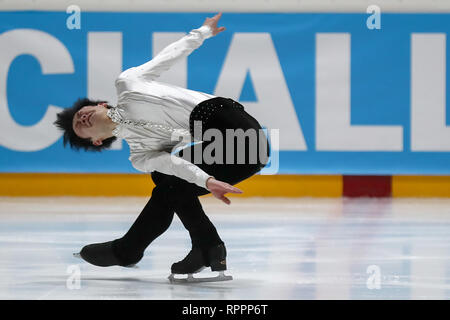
[{"x": 87, "y": 122}]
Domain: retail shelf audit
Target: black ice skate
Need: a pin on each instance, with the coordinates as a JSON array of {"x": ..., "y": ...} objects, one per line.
[
  {"x": 101, "y": 255},
  {"x": 196, "y": 261}
]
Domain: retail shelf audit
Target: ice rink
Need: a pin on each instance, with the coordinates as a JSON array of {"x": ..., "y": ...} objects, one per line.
[{"x": 288, "y": 249}]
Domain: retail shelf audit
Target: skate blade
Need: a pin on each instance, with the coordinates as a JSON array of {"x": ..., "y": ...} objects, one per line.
[
  {"x": 191, "y": 279},
  {"x": 78, "y": 256}
]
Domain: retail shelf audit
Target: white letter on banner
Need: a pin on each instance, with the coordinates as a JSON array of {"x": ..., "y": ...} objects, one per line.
[
  {"x": 255, "y": 53},
  {"x": 177, "y": 74},
  {"x": 54, "y": 58},
  {"x": 104, "y": 66},
  {"x": 333, "y": 128},
  {"x": 428, "y": 76}
]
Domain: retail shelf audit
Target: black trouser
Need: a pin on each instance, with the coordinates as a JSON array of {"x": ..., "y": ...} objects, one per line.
[{"x": 175, "y": 195}]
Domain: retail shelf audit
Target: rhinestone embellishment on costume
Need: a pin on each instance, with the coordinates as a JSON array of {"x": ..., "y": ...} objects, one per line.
[
  {"x": 206, "y": 110},
  {"x": 115, "y": 116}
]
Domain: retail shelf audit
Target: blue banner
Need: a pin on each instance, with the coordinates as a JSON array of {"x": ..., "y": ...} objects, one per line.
[{"x": 348, "y": 93}]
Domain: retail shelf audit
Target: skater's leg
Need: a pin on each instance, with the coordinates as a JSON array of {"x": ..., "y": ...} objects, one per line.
[
  {"x": 183, "y": 199},
  {"x": 170, "y": 195},
  {"x": 153, "y": 221}
]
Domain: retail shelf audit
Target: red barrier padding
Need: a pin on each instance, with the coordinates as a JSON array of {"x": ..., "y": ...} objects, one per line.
[{"x": 367, "y": 186}]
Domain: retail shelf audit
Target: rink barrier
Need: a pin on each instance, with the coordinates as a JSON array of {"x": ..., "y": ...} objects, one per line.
[
  {"x": 423, "y": 186},
  {"x": 51, "y": 184},
  {"x": 367, "y": 186}
]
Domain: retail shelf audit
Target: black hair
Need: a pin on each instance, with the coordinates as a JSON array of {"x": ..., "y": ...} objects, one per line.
[{"x": 65, "y": 120}]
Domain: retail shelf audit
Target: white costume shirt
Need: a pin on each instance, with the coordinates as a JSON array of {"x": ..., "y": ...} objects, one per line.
[{"x": 149, "y": 114}]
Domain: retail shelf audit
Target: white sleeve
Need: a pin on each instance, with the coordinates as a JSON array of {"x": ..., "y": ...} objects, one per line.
[
  {"x": 171, "y": 54},
  {"x": 164, "y": 162}
]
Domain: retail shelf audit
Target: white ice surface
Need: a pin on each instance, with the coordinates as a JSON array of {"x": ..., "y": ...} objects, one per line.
[{"x": 303, "y": 248}]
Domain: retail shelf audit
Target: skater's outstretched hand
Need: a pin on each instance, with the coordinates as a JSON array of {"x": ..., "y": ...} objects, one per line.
[
  {"x": 219, "y": 188},
  {"x": 212, "y": 23}
]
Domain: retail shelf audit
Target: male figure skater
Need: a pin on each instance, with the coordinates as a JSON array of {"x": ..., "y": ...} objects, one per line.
[{"x": 148, "y": 115}]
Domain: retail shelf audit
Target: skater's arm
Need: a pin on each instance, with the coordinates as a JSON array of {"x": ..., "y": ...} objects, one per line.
[
  {"x": 166, "y": 163},
  {"x": 177, "y": 50}
]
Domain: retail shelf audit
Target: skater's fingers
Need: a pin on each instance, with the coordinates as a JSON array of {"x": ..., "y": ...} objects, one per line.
[
  {"x": 225, "y": 199},
  {"x": 220, "y": 29},
  {"x": 229, "y": 188},
  {"x": 232, "y": 189}
]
